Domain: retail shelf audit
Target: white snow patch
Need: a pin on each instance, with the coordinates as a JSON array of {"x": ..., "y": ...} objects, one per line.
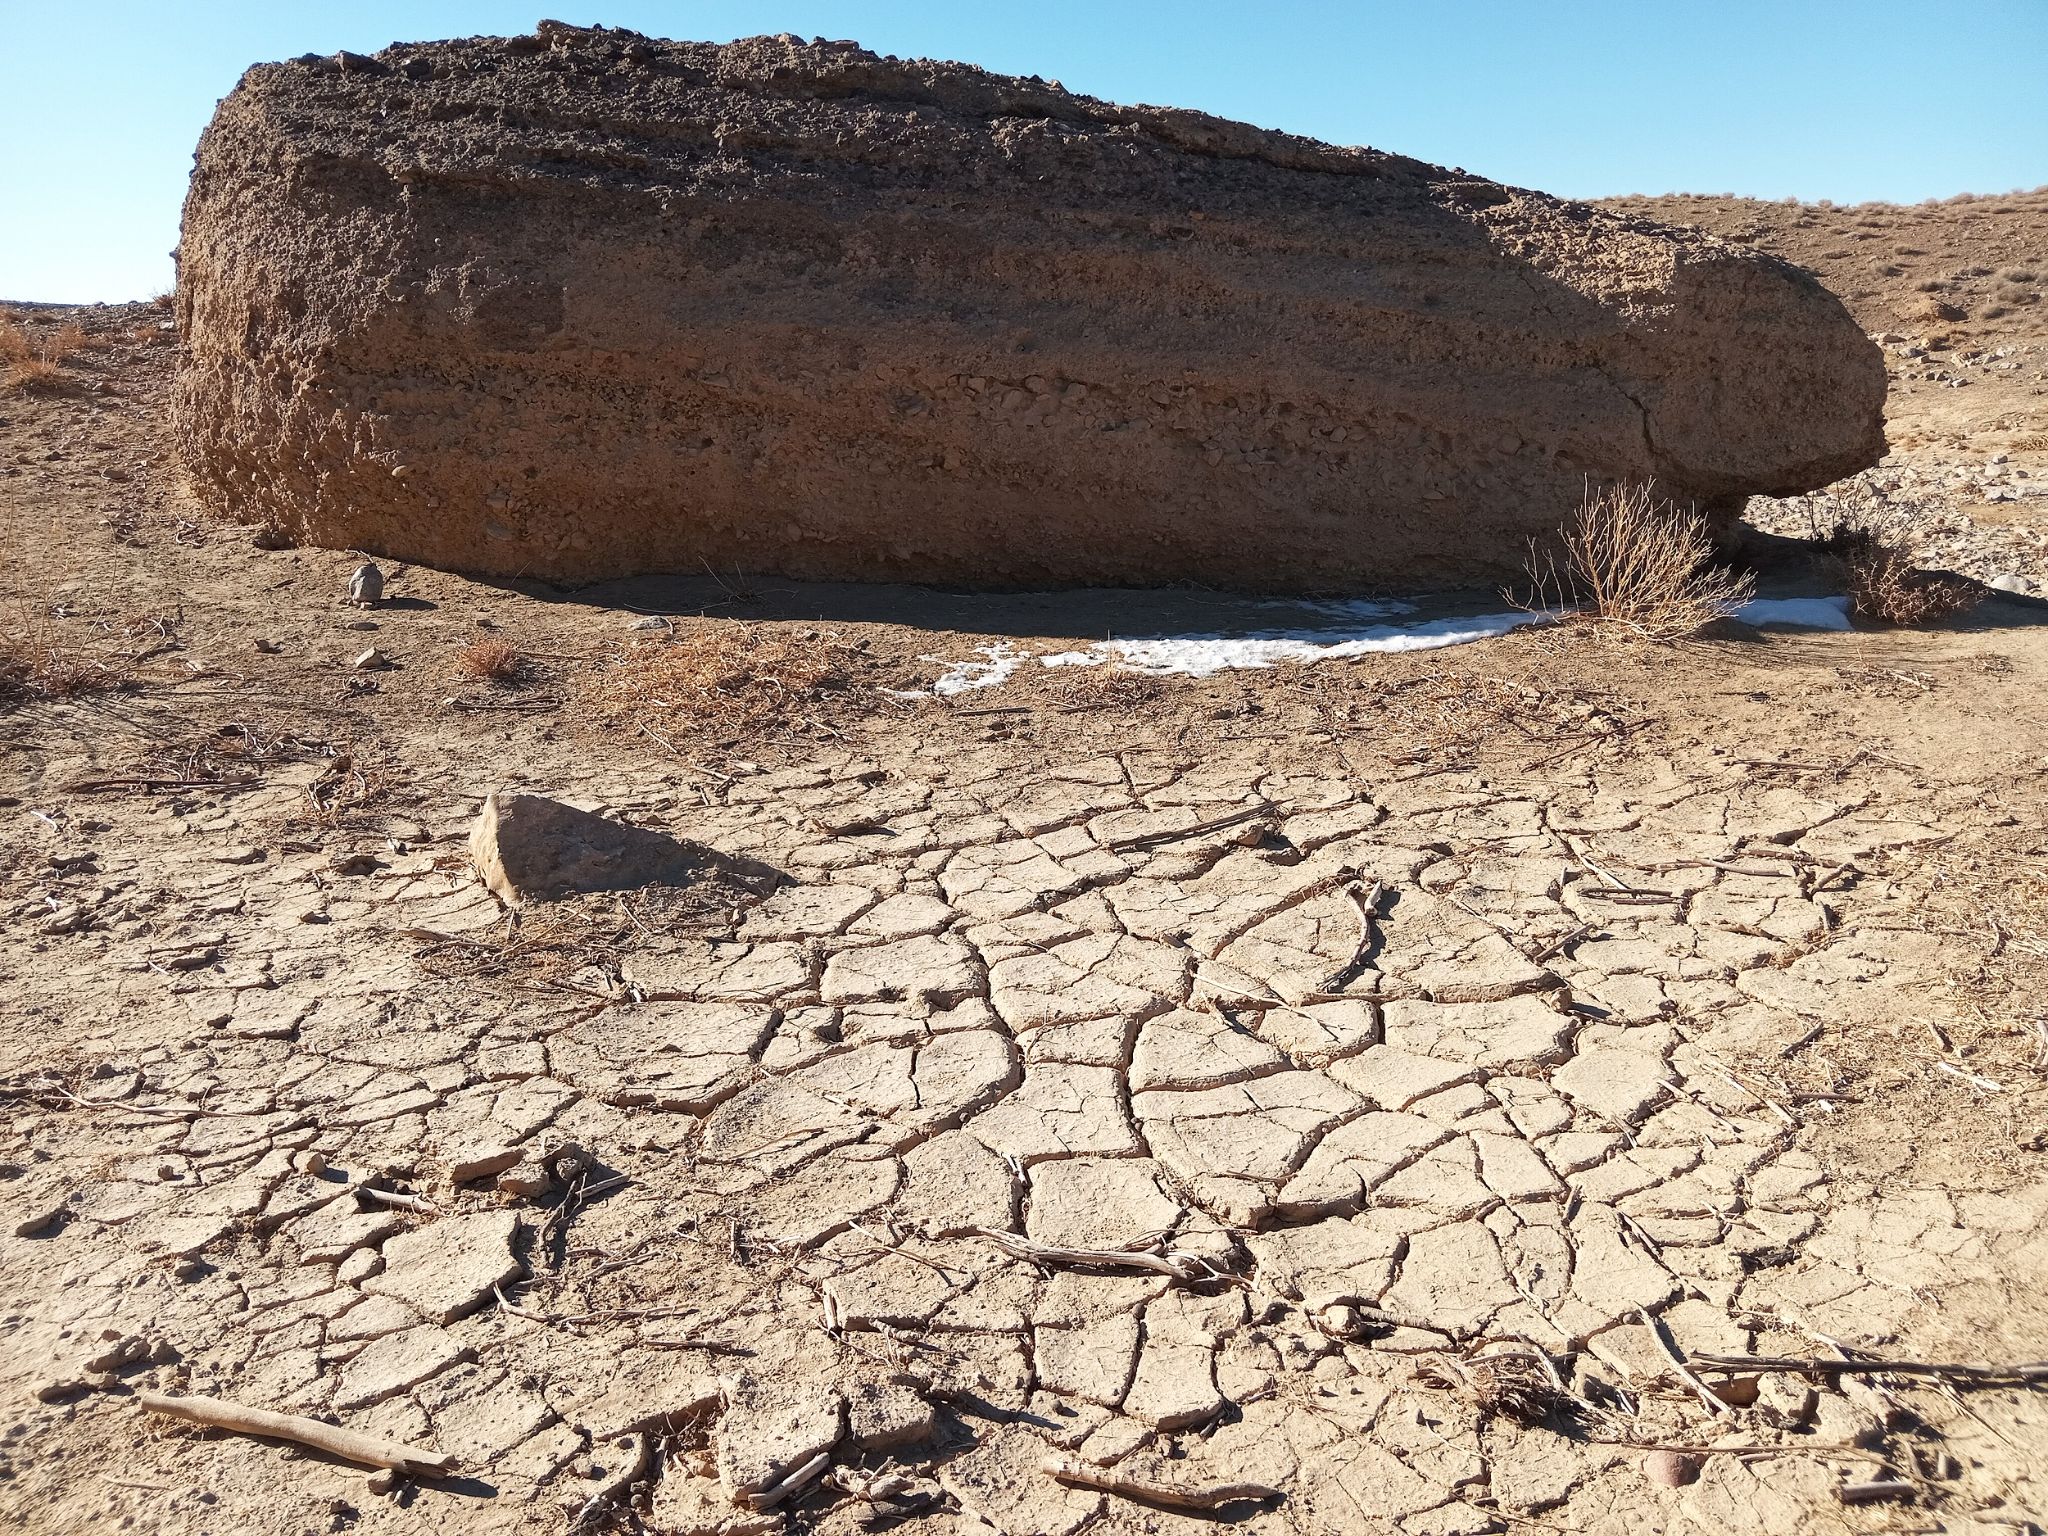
[
  {"x": 1204, "y": 655},
  {"x": 999, "y": 661},
  {"x": 1796, "y": 612}
]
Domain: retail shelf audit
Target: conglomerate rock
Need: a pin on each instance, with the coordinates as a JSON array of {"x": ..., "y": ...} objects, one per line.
[{"x": 583, "y": 304}]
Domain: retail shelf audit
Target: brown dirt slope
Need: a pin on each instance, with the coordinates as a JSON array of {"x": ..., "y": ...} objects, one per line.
[
  {"x": 583, "y": 303},
  {"x": 1974, "y": 267}
]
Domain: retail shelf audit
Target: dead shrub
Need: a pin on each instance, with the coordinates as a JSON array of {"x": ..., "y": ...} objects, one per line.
[
  {"x": 726, "y": 682},
  {"x": 1882, "y": 583},
  {"x": 1639, "y": 562},
  {"x": 492, "y": 661}
]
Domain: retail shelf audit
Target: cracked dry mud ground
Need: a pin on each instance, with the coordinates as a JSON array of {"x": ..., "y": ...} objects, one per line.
[{"x": 1686, "y": 1023}]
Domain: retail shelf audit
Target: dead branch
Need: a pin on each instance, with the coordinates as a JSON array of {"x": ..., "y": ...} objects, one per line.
[
  {"x": 1192, "y": 1268},
  {"x": 1350, "y": 1317},
  {"x": 1700, "y": 1389},
  {"x": 369, "y": 1450},
  {"x": 1367, "y": 906},
  {"x": 1199, "y": 829},
  {"x": 1175, "y": 1495},
  {"x": 2028, "y": 1371}
]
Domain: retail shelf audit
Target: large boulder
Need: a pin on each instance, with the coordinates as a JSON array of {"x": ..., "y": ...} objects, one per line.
[{"x": 584, "y": 304}]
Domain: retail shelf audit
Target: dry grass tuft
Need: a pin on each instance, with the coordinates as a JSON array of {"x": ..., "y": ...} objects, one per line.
[
  {"x": 35, "y": 664},
  {"x": 1518, "y": 1384},
  {"x": 1640, "y": 563},
  {"x": 726, "y": 682},
  {"x": 492, "y": 661},
  {"x": 30, "y": 366},
  {"x": 1107, "y": 687},
  {"x": 33, "y": 375},
  {"x": 69, "y": 339},
  {"x": 1884, "y": 586}
]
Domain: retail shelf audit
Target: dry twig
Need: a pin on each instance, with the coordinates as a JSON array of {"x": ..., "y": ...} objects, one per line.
[
  {"x": 1174, "y": 1494},
  {"x": 369, "y": 1450}
]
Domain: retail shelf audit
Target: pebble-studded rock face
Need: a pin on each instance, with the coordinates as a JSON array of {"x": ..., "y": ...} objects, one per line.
[{"x": 1468, "y": 1053}]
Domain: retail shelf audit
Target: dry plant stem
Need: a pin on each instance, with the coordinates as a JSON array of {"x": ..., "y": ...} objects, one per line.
[
  {"x": 1199, "y": 829},
  {"x": 1204, "y": 1496},
  {"x": 1700, "y": 1389},
  {"x": 1179, "y": 1266},
  {"x": 1371, "y": 1316},
  {"x": 2028, "y": 1371},
  {"x": 794, "y": 1483},
  {"x": 214, "y": 1413},
  {"x": 1824, "y": 1452},
  {"x": 1876, "y": 1490}
]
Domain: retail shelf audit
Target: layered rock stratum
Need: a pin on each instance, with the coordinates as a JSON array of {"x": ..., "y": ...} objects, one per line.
[{"x": 585, "y": 304}]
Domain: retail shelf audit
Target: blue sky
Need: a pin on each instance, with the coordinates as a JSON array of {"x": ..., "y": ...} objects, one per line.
[{"x": 101, "y": 101}]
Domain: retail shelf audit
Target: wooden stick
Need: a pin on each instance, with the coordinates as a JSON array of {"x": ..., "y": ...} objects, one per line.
[
  {"x": 1069, "y": 1469},
  {"x": 418, "y": 1203},
  {"x": 1369, "y": 1316},
  {"x": 1876, "y": 1490},
  {"x": 1216, "y": 824},
  {"x": 2031, "y": 1370},
  {"x": 215, "y": 1413},
  {"x": 1824, "y": 1452},
  {"x": 87, "y": 786},
  {"x": 1180, "y": 1266},
  {"x": 1367, "y": 905}
]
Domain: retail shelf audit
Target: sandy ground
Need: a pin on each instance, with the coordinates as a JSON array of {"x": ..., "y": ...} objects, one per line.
[{"x": 1698, "y": 1011}]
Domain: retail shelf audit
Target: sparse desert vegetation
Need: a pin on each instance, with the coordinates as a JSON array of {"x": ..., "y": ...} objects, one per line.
[
  {"x": 492, "y": 660},
  {"x": 721, "y": 683},
  {"x": 1634, "y": 560},
  {"x": 1882, "y": 582}
]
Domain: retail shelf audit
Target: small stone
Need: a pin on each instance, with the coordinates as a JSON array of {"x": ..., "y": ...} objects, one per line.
[
  {"x": 372, "y": 660},
  {"x": 1671, "y": 1469},
  {"x": 383, "y": 1480},
  {"x": 366, "y": 586}
]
